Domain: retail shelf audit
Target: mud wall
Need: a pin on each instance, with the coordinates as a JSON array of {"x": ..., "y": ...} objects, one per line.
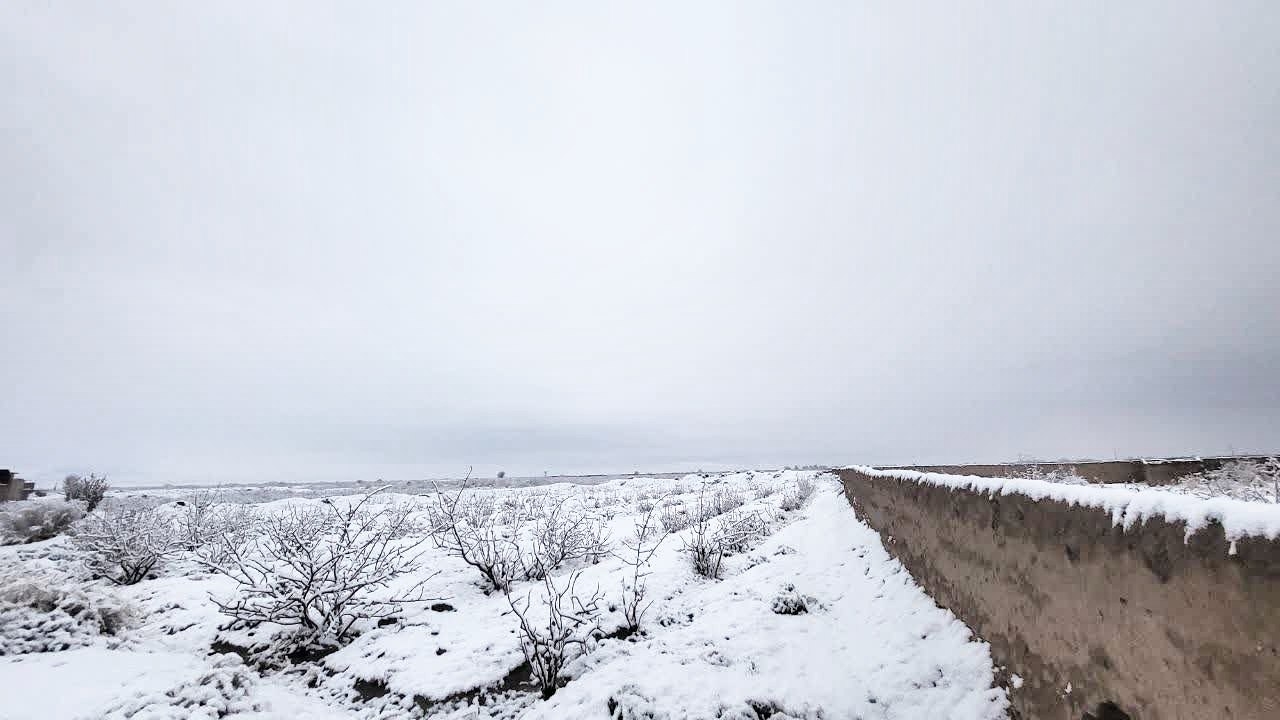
[
  {"x": 1150, "y": 472},
  {"x": 1099, "y": 623}
]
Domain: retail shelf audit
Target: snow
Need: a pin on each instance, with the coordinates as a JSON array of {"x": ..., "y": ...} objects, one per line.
[
  {"x": 868, "y": 642},
  {"x": 1127, "y": 504},
  {"x": 877, "y": 647},
  {"x": 82, "y": 683}
]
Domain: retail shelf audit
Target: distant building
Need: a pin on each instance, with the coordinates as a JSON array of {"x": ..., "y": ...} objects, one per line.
[{"x": 13, "y": 487}]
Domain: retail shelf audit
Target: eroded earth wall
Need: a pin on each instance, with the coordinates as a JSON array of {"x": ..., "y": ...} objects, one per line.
[{"x": 1097, "y": 621}]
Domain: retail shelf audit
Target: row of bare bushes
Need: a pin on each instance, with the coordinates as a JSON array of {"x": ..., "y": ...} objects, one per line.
[
  {"x": 326, "y": 571},
  {"x": 520, "y": 543}
]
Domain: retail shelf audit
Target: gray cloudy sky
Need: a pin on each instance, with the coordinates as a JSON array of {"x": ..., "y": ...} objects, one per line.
[{"x": 252, "y": 241}]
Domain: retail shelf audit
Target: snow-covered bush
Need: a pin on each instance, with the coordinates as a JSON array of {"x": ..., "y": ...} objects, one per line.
[
  {"x": 639, "y": 550},
  {"x": 125, "y": 544},
  {"x": 676, "y": 517},
  {"x": 320, "y": 569},
  {"x": 559, "y": 632},
  {"x": 214, "y": 531},
  {"x": 712, "y": 540},
  {"x": 220, "y": 692},
  {"x": 25, "y": 521},
  {"x": 198, "y": 519},
  {"x": 563, "y": 531},
  {"x": 475, "y": 537},
  {"x": 1253, "y": 480},
  {"x": 1067, "y": 476},
  {"x": 89, "y": 489},
  {"x": 790, "y": 602},
  {"x": 739, "y": 530},
  {"x": 711, "y": 504},
  {"x": 794, "y": 498},
  {"x": 47, "y": 611},
  {"x": 478, "y": 509},
  {"x": 722, "y": 501}
]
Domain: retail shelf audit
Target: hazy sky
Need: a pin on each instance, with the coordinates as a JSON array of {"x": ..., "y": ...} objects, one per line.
[{"x": 255, "y": 241}]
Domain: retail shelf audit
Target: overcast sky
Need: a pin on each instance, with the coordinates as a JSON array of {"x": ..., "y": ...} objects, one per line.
[{"x": 259, "y": 241}]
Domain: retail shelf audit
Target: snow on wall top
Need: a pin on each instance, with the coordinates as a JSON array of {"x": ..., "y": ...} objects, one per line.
[{"x": 1127, "y": 506}]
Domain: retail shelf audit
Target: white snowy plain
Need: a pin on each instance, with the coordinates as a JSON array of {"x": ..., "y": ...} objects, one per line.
[{"x": 871, "y": 645}]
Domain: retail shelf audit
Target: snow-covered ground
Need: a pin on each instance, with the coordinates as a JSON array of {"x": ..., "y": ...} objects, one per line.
[{"x": 812, "y": 619}]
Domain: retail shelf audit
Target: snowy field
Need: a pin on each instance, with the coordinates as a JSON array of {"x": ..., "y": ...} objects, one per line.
[{"x": 751, "y": 595}]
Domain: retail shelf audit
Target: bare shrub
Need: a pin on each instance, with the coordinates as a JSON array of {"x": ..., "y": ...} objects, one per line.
[
  {"x": 478, "y": 509},
  {"x": 125, "y": 544},
  {"x": 89, "y": 489},
  {"x": 198, "y": 521},
  {"x": 563, "y": 532},
  {"x": 703, "y": 551},
  {"x": 474, "y": 536},
  {"x": 1062, "y": 476},
  {"x": 805, "y": 485},
  {"x": 795, "y": 498},
  {"x": 1253, "y": 480},
  {"x": 676, "y": 517},
  {"x": 738, "y": 531},
  {"x": 639, "y": 551},
  {"x": 27, "y": 521},
  {"x": 711, "y": 541},
  {"x": 215, "y": 532},
  {"x": 722, "y": 501},
  {"x": 597, "y": 543},
  {"x": 321, "y": 569},
  {"x": 560, "y": 632}
]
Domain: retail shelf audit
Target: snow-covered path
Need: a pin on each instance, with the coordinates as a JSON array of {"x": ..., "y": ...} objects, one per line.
[{"x": 871, "y": 644}]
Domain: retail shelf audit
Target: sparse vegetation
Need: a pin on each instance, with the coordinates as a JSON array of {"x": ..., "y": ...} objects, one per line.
[
  {"x": 1063, "y": 476},
  {"x": 562, "y": 532},
  {"x": 198, "y": 519},
  {"x": 124, "y": 545},
  {"x": 322, "y": 569},
  {"x": 465, "y": 526},
  {"x": 286, "y": 583},
  {"x": 794, "y": 498},
  {"x": 711, "y": 540},
  {"x": 1254, "y": 480},
  {"x": 639, "y": 551},
  {"x": 560, "y": 631}
]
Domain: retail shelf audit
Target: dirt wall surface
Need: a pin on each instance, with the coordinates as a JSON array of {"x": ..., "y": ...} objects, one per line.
[{"x": 1099, "y": 622}]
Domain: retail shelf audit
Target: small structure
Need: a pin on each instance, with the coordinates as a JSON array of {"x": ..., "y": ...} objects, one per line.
[{"x": 13, "y": 487}]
